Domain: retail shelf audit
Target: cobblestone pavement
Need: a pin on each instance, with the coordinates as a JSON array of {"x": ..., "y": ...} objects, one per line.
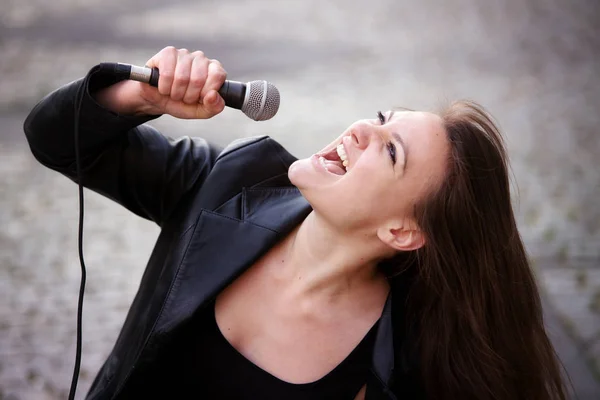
[{"x": 533, "y": 63}]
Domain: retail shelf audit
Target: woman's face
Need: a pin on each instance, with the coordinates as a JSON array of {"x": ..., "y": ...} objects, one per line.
[{"x": 392, "y": 161}]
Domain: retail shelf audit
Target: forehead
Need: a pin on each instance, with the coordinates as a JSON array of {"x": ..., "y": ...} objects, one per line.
[
  {"x": 426, "y": 142},
  {"x": 419, "y": 129},
  {"x": 417, "y": 122}
]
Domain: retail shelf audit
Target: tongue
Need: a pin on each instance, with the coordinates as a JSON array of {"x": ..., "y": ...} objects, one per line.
[{"x": 334, "y": 167}]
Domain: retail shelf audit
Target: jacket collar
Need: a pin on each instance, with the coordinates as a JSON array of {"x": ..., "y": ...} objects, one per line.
[{"x": 223, "y": 246}]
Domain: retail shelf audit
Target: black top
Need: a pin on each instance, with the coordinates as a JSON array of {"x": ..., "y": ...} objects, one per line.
[
  {"x": 217, "y": 370},
  {"x": 202, "y": 364}
]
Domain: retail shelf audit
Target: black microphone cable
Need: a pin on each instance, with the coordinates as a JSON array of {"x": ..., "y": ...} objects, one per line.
[{"x": 78, "y": 102}]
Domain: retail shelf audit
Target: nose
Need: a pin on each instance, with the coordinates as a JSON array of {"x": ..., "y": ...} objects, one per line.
[{"x": 364, "y": 133}]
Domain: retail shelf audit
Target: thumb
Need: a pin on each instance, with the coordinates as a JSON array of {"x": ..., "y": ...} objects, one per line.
[{"x": 213, "y": 103}]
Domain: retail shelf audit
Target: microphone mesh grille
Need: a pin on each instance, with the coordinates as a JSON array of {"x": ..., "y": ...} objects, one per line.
[{"x": 262, "y": 100}]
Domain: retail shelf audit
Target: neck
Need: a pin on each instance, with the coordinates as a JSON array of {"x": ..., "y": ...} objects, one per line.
[{"x": 325, "y": 261}]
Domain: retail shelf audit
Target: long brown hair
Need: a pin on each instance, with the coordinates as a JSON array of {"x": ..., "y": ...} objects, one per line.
[{"x": 474, "y": 298}]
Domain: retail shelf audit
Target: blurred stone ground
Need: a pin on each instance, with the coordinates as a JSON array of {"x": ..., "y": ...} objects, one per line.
[{"x": 533, "y": 63}]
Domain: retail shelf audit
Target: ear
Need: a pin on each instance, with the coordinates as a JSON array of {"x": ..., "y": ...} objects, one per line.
[{"x": 402, "y": 237}]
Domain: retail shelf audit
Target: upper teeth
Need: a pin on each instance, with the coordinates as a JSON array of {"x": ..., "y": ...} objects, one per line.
[{"x": 342, "y": 153}]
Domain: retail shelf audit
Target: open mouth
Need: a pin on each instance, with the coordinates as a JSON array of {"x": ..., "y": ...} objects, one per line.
[{"x": 333, "y": 162}]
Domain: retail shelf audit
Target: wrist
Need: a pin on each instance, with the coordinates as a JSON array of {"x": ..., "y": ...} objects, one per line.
[{"x": 122, "y": 98}]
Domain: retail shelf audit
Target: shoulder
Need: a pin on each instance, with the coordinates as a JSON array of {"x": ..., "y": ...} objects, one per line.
[
  {"x": 242, "y": 143},
  {"x": 245, "y": 163},
  {"x": 258, "y": 148}
]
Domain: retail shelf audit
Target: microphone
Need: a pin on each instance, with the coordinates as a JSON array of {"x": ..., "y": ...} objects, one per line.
[{"x": 259, "y": 100}]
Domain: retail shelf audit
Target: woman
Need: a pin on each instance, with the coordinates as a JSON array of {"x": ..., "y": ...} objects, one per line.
[{"x": 387, "y": 266}]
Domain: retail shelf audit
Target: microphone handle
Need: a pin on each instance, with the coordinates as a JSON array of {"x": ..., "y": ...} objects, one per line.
[{"x": 232, "y": 92}]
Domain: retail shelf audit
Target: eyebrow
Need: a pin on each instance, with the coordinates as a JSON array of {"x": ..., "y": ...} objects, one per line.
[{"x": 400, "y": 141}]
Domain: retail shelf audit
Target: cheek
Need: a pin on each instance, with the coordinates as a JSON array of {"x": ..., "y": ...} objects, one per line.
[
  {"x": 370, "y": 178},
  {"x": 379, "y": 194}
]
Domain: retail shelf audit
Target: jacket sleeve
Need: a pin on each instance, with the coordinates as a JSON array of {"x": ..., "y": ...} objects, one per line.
[{"x": 121, "y": 157}]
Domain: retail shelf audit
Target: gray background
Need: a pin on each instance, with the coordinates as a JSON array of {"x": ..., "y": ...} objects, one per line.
[{"x": 533, "y": 63}]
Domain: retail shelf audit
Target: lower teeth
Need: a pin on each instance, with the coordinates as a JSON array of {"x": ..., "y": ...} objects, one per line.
[{"x": 322, "y": 160}]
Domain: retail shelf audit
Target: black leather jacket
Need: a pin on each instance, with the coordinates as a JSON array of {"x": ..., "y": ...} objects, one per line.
[{"x": 219, "y": 210}]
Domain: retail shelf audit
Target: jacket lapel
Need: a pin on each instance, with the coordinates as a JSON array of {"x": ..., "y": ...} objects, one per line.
[{"x": 222, "y": 247}]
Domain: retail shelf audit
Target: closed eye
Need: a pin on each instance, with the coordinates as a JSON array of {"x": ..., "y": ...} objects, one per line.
[
  {"x": 392, "y": 150},
  {"x": 390, "y": 145}
]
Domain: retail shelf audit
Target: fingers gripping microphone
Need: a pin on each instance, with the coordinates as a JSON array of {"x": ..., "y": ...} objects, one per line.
[{"x": 259, "y": 100}]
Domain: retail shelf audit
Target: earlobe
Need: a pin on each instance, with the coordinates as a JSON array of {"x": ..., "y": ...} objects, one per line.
[
  {"x": 407, "y": 240},
  {"x": 403, "y": 239}
]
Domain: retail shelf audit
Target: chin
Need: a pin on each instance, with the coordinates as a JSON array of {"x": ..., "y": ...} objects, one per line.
[
  {"x": 299, "y": 174},
  {"x": 302, "y": 175}
]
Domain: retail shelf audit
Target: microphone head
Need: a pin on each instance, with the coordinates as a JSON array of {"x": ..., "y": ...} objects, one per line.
[{"x": 261, "y": 101}]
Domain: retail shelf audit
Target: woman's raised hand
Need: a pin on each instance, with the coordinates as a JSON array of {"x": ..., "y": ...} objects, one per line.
[{"x": 187, "y": 87}]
